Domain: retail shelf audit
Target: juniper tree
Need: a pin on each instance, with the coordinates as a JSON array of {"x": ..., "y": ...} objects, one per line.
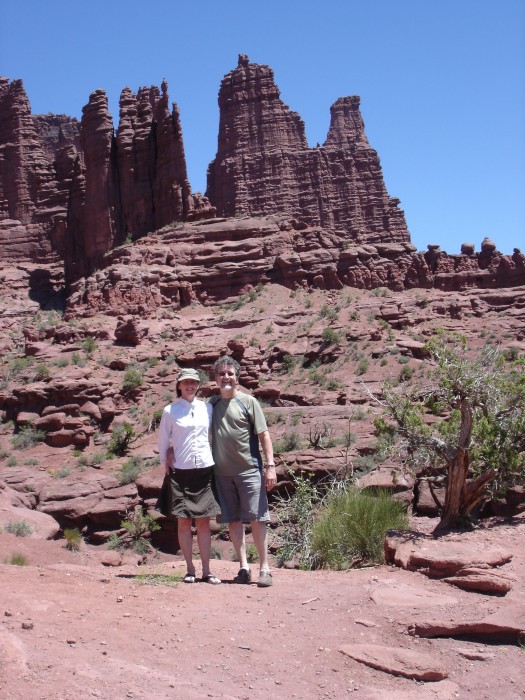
[{"x": 476, "y": 438}]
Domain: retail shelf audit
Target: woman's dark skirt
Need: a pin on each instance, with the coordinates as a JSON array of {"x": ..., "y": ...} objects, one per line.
[{"x": 192, "y": 493}]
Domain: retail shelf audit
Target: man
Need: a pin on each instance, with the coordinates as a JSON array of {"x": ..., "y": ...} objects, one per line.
[{"x": 238, "y": 426}]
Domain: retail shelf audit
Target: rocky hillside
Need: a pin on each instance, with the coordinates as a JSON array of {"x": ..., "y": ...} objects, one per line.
[{"x": 297, "y": 262}]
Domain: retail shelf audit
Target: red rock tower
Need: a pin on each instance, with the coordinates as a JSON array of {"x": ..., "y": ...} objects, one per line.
[{"x": 264, "y": 164}]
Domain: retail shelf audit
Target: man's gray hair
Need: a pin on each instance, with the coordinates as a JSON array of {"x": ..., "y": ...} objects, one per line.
[{"x": 227, "y": 361}]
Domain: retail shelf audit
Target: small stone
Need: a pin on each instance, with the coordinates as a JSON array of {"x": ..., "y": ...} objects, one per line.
[{"x": 27, "y": 625}]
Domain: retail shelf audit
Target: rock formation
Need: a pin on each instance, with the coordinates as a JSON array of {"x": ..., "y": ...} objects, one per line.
[
  {"x": 130, "y": 184},
  {"x": 72, "y": 194},
  {"x": 211, "y": 261},
  {"x": 37, "y": 155},
  {"x": 264, "y": 165}
]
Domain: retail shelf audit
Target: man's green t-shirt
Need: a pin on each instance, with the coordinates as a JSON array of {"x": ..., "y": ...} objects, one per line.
[{"x": 236, "y": 423}]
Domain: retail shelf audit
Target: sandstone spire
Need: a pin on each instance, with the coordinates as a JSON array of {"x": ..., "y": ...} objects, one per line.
[{"x": 264, "y": 164}]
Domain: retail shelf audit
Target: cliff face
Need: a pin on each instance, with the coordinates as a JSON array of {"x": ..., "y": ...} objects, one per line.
[
  {"x": 37, "y": 156},
  {"x": 264, "y": 165},
  {"x": 130, "y": 184},
  {"x": 72, "y": 192}
]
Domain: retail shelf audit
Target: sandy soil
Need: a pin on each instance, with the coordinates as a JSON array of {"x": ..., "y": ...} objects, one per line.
[{"x": 71, "y": 627}]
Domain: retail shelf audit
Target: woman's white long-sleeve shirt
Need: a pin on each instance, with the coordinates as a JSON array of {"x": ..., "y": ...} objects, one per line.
[{"x": 184, "y": 426}]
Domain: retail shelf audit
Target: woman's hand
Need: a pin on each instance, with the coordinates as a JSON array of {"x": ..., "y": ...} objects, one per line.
[{"x": 169, "y": 460}]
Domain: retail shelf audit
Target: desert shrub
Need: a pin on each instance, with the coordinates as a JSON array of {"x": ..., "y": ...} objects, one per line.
[
  {"x": 97, "y": 459},
  {"x": 362, "y": 366},
  {"x": 352, "y": 525},
  {"x": 274, "y": 418},
  {"x": 27, "y": 437},
  {"x": 296, "y": 417},
  {"x": 512, "y": 353},
  {"x": 251, "y": 553},
  {"x": 328, "y": 313},
  {"x": 406, "y": 373},
  {"x": 73, "y": 539},
  {"x": 333, "y": 385},
  {"x": 295, "y": 516},
  {"x": 42, "y": 372},
  {"x": 12, "y": 461},
  {"x": 20, "y": 528},
  {"x": 16, "y": 559},
  {"x": 319, "y": 434},
  {"x": 288, "y": 363},
  {"x": 289, "y": 441},
  {"x": 62, "y": 362},
  {"x": 121, "y": 436},
  {"x": 77, "y": 360},
  {"x": 89, "y": 345},
  {"x": 61, "y": 473},
  {"x": 132, "y": 380},
  {"x": 330, "y": 337},
  {"x": 155, "y": 420},
  {"x": 138, "y": 527},
  {"x": 132, "y": 469}
]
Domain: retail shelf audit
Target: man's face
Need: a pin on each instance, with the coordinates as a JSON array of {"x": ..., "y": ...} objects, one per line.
[{"x": 226, "y": 380}]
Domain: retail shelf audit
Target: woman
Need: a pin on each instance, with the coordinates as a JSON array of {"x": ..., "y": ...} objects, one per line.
[{"x": 184, "y": 428}]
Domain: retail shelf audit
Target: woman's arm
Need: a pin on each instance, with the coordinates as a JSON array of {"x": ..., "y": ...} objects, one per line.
[{"x": 164, "y": 440}]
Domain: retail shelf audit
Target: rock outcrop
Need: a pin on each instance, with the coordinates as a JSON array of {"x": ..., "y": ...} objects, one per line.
[
  {"x": 37, "y": 156},
  {"x": 264, "y": 164},
  {"x": 129, "y": 184},
  {"x": 210, "y": 261}
]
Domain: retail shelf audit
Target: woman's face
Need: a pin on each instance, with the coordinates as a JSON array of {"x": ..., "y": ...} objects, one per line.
[{"x": 188, "y": 388}]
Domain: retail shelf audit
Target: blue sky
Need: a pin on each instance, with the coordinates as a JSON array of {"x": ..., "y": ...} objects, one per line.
[{"x": 442, "y": 85}]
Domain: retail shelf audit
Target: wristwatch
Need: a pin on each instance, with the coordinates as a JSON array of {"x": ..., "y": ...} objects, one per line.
[{"x": 269, "y": 464}]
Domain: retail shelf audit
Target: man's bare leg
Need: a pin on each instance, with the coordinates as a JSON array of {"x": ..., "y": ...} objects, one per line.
[{"x": 239, "y": 542}]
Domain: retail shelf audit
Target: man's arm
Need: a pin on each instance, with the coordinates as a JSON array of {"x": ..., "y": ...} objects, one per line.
[{"x": 267, "y": 448}]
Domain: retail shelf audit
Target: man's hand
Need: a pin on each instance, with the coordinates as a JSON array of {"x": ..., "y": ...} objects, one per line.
[{"x": 270, "y": 476}]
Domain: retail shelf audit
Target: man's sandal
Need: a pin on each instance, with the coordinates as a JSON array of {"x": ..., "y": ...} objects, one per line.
[
  {"x": 210, "y": 578},
  {"x": 189, "y": 578},
  {"x": 265, "y": 579}
]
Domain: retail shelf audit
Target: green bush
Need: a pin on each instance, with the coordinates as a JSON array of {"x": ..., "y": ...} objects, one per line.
[
  {"x": 352, "y": 525},
  {"x": 20, "y": 528},
  {"x": 131, "y": 470},
  {"x": 77, "y": 360},
  {"x": 121, "y": 436},
  {"x": 132, "y": 380},
  {"x": 27, "y": 437},
  {"x": 362, "y": 367},
  {"x": 295, "y": 517},
  {"x": 330, "y": 337},
  {"x": 138, "y": 527},
  {"x": 16, "y": 559},
  {"x": 42, "y": 372},
  {"x": 288, "y": 442},
  {"x": 73, "y": 539},
  {"x": 406, "y": 373},
  {"x": 89, "y": 345}
]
